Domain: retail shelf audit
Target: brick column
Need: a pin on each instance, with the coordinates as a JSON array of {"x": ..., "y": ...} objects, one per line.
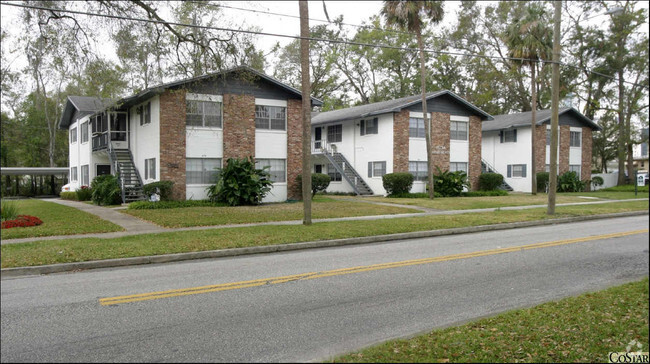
[
  {"x": 238, "y": 126},
  {"x": 294, "y": 147},
  {"x": 474, "y": 165},
  {"x": 172, "y": 140},
  {"x": 440, "y": 136},
  {"x": 401, "y": 141},
  {"x": 540, "y": 148},
  {"x": 565, "y": 137},
  {"x": 587, "y": 142}
]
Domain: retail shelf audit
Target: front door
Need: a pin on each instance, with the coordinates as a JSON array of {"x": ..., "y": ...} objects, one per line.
[
  {"x": 103, "y": 169},
  {"x": 318, "y": 138}
]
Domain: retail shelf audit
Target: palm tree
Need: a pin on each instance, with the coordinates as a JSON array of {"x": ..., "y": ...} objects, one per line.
[
  {"x": 530, "y": 38},
  {"x": 410, "y": 15}
]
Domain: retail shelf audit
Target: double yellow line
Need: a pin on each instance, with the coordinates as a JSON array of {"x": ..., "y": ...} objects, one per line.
[{"x": 337, "y": 272}]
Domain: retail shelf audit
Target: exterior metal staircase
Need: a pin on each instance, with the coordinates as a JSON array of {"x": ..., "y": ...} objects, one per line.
[
  {"x": 348, "y": 172},
  {"x": 487, "y": 168},
  {"x": 128, "y": 175}
]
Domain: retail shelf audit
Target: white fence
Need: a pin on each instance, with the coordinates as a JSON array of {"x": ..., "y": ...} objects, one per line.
[{"x": 610, "y": 180}]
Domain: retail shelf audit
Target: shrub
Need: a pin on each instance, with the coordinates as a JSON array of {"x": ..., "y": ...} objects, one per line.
[
  {"x": 84, "y": 193},
  {"x": 8, "y": 210},
  {"x": 240, "y": 183},
  {"x": 542, "y": 180},
  {"x": 319, "y": 183},
  {"x": 489, "y": 181},
  {"x": 148, "y": 205},
  {"x": 397, "y": 183},
  {"x": 163, "y": 188},
  {"x": 106, "y": 190},
  {"x": 21, "y": 221},
  {"x": 449, "y": 184},
  {"x": 484, "y": 193},
  {"x": 597, "y": 181},
  {"x": 69, "y": 196},
  {"x": 570, "y": 182}
]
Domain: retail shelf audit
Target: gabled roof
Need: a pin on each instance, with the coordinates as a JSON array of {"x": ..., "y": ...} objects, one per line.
[
  {"x": 389, "y": 106},
  {"x": 82, "y": 106},
  {"x": 522, "y": 119}
]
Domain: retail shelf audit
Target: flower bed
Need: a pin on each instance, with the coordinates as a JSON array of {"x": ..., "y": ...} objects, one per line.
[{"x": 22, "y": 221}]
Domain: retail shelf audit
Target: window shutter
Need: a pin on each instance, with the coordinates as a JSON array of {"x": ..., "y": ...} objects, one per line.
[
  {"x": 509, "y": 170},
  {"x": 369, "y": 169},
  {"x": 363, "y": 127},
  {"x": 501, "y": 137},
  {"x": 523, "y": 170},
  {"x": 515, "y": 135}
]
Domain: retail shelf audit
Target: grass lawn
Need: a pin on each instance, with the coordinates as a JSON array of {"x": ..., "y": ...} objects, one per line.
[
  {"x": 577, "y": 329},
  {"x": 322, "y": 207},
  {"x": 77, "y": 250},
  {"x": 57, "y": 220}
]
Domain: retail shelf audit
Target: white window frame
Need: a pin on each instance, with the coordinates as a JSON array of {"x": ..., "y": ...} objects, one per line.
[
  {"x": 150, "y": 169},
  {"x": 207, "y": 175},
  {"x": 453, "y": 167},
  {"x": 335, "y": 134},
  {"x": 83, "y": 126},
  {"x": 335, "y": 176},
  {"x": 576, "y": 168},
  {"x": 144, "y": 111},
  {"x": 521, "y": 168},
  {"x": 205, "y": 98},
  {"x": 417, "y": 171},
  {"x": 272, "y": 103},
  {"x": 417, "y": 129},
  {"x": 578, "y": 139},
  {"x": 365, "y": 130},
  {"x": 372, "y": 168},
  {"x": 73, "y": 135},
  {"x": 260, "y": 163},
  {"x": 455, "y": 121},
  {"x": 73, "y": 174},
  {"x": 85, "y": 175}
]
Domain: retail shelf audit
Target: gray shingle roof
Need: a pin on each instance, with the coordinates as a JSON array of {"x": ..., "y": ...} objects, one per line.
[
  {"x": 384, "y": 107},
  {"x": 83, "y": 105},
  {"x": 507, "y": 121}
]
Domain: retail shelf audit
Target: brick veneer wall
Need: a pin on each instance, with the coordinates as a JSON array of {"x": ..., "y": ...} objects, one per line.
[
  {"x": 540, "y": 148},
  {"x": 401, "y": 141},
  {"x": 440, "y": 126},
  {"x": 587, "y": 142},
  {"x": 294, "y": 147},
  {"x": 238, "y": 126},
  {"x": 172, "y": 140},
  {"x": 565, "y": 136},
  {"x": 474, "y": 167}
]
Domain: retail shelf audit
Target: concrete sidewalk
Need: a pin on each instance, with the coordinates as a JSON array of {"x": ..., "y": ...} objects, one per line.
[{"x": 135, "y": 226}]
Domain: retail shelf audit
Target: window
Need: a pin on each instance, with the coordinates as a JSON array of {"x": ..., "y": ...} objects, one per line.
[
  {"x": 575, "y": 168},
  {"x": 574, "y": 138},
  {"x": 376, "y": 169},
  {"x": 203, "y": 113},
  {"x": 516, "y": 170},
  {"x": 73, "y": 174},
  {"x": 508, "y": 136},
  {"x": 335, "y": 176},
  {"x": 547, "y": 168},
  {"x": 277, "y": 168},
  {"x": 416, "y": 128},
  {"x": 334, "y": 133},
  {"x": 369, "y": 126},
  {"x": 418, "y": 170},
  {"x": 145, "y": 113},
  {"x": 548, "y": 136},
  {"x": 458, "y": 166},
  {"x": 458, "y": 130},
  {"x": 201, "y": 171},
  {"x": 84, "y": 132},
  {"x": 318, "y": 168},
  {"x": 150, "y": 168},
  {"x": 84, "y": 175},
  {"x": 270, "y": 117},
  {"x": 73, "y": 135}
]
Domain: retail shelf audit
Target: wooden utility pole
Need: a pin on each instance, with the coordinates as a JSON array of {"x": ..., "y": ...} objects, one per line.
[
  {"x": 306, "y": 112},
  {"x": 555, "y": 104}
]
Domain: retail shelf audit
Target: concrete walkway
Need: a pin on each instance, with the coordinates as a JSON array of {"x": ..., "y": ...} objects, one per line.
[{"x": 135, "y": 226}]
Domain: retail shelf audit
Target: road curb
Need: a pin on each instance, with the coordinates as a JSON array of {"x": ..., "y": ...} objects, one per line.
[{"x": 168, "y": 258}]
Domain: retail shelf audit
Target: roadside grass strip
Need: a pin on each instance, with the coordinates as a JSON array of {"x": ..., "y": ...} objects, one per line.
[
  {"x": 582, "y": 329},
  {"x": 353, "y": 270},
  {"x": 88, "y": 249}
]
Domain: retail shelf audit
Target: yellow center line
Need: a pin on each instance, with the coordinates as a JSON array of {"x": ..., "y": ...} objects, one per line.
[{"x": 343, "y": 271}]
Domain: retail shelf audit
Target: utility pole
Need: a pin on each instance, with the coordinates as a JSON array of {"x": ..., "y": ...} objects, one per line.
[
  {"x": 306, "y": 112},
  {"x": 555, "y": 104}
]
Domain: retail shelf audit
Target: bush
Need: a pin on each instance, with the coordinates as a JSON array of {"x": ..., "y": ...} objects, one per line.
[
  {"x": 542, "y": 180},
  {"x": 8, "y": 210},
  {"x": 163, "y": 188},
  {"x": 240, "y": 183},
  {"x": 597, "y": 181},
  {"x": 570, "y": 182},
  {"x": 69, "y": 196},
  {"x": 397, "y": 183},
  {"x": 148, "y": 205},
  {"x": 106, "y": 190},
  {"x": 489, "y": 181},
  {"x": 84, "y": 193},
  {"x": 319, "y": 183},
  {"x": 484, "y": 193},
  {"x": 449, "y": 184},
  {"x": 21, "y": 221}
]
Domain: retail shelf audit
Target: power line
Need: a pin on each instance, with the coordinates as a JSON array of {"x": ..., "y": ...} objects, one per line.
[{"x": 337, "y": 41}]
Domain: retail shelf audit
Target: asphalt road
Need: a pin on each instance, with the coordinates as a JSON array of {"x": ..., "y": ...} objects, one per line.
[{"x": 309, "y": 305}]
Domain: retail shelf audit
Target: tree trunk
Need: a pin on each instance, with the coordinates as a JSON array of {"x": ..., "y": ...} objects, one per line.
[
  {"x": 555, "y": 106},
  {"x": 621, "y": 132},
  {"x": 533, "y": 169},
  {"x": 427, "y": 121},
  {"x": 306, "y": 112}
]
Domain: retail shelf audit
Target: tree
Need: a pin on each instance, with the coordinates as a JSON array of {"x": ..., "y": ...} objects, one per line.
[
  {"x": 530, "y": 38},
  {"x": 410, "y": 15}
]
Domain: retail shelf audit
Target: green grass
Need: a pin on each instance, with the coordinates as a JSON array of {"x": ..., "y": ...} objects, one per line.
[
  {"x": 57, "y": 220},
  {"x": 577, "y": 329},
  {"x": 322, "y": 207},
  {"x": 77, "y": 250}
]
